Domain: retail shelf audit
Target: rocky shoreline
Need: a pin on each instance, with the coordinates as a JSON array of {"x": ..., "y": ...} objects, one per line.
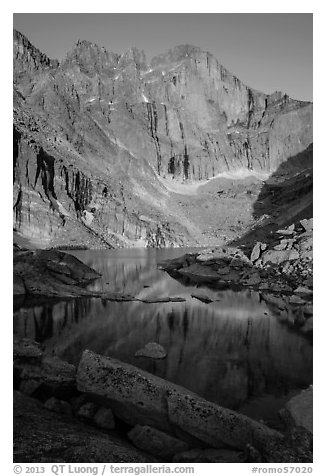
[
  {"x": 44, "y": 274},
  {"x": 281, "y": 270},
  {"x": 110, "y": 411}
]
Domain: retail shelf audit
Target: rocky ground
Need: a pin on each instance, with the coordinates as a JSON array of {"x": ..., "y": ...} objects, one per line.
[{"x": 108, "y": 411}]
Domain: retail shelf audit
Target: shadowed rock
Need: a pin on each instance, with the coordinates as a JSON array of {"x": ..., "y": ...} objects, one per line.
[
  {"x": 156, "y": 442},
  {"x": 40, "y": 375},
  {"x": 58, "y": 406},
  {"x": 41, "y": 437},
  {"x": 51, "y": 273},
  {"x": 104, "y": 418}
]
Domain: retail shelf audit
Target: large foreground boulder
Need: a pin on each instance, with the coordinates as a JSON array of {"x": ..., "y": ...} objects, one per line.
[{"x": 138, "y": 397}]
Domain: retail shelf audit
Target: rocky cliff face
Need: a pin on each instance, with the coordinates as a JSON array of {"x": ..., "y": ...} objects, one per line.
[{"x": 100, "y": 138}]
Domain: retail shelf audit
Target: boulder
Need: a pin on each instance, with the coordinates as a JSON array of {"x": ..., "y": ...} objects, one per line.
[
  {"x": 199, "y": 272},
  {"x": 274, "y": 300},
  {"x": 176, "y": 263},
  {"x": 307, "y": 224},
  {"x": 296, "y": 300},
  {"x": 138, "y": 397},
  {"x": 279, "y": 256},
  {"x": 287, "y": 231},
  {"x": 253, "y": 280},
  {"x": 156, "y": 442},
  {"x": 87, "y": 411},
  {"x": 104, "y": 418},
  {"x": 236, "y": 263},
  {"x": 58, "y": 406},
  {"x": 256, "y": 251},
  {"x": 299, "y": 410},
  {"x": 279, "y": 287},
  {"x": 281, "y": 246},
  {"x": 134, "y": 396},
  {"x": 51, "y": 273},
  {"x": 159, "y": 299},
  {"x": 293, "y": 255},
  {"x": 152, "y": 350},
  {"x": 215, "y": 425},
  {"x": 202, "y": 298},
  {"x": 303, "y": 291}
]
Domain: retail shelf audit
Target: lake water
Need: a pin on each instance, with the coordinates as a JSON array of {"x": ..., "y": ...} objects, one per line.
[{"x": 236, "y": 351}]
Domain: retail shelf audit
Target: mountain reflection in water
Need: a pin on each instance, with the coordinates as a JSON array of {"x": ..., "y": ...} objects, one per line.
[{"x": 234, "y": 351}]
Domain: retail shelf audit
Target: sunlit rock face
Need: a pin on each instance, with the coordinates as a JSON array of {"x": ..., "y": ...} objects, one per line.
[{"x": 98, "y": 136}]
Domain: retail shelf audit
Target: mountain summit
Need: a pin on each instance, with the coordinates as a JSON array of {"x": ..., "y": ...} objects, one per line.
[{"x": 107, "y": 146}]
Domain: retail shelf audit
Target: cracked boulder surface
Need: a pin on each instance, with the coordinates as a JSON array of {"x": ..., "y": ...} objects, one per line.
[{"x": 110, "y": 150}]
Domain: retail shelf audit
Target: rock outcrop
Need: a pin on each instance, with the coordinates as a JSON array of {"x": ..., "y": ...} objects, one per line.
[
  {"x": 282, "y": 271},
  {"x": 100, "y": 140},
  {"x": 50, "y": 273}
]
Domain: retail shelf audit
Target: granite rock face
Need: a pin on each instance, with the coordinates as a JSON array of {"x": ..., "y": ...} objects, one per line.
[{"x": 100, "y": 138}]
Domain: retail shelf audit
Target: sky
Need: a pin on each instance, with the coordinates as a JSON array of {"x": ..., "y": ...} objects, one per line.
[{"x": 267, "y": 51}]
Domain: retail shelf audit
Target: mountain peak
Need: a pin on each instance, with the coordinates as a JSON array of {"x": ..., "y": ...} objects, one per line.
[
  {"x": 28, "y": 57},
  {"x": 133, "y": 55},
  {"x": 90, "y": 58}
]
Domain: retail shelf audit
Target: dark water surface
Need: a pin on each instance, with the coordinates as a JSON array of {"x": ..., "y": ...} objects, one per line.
[{"x": 235, "y": 351}]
